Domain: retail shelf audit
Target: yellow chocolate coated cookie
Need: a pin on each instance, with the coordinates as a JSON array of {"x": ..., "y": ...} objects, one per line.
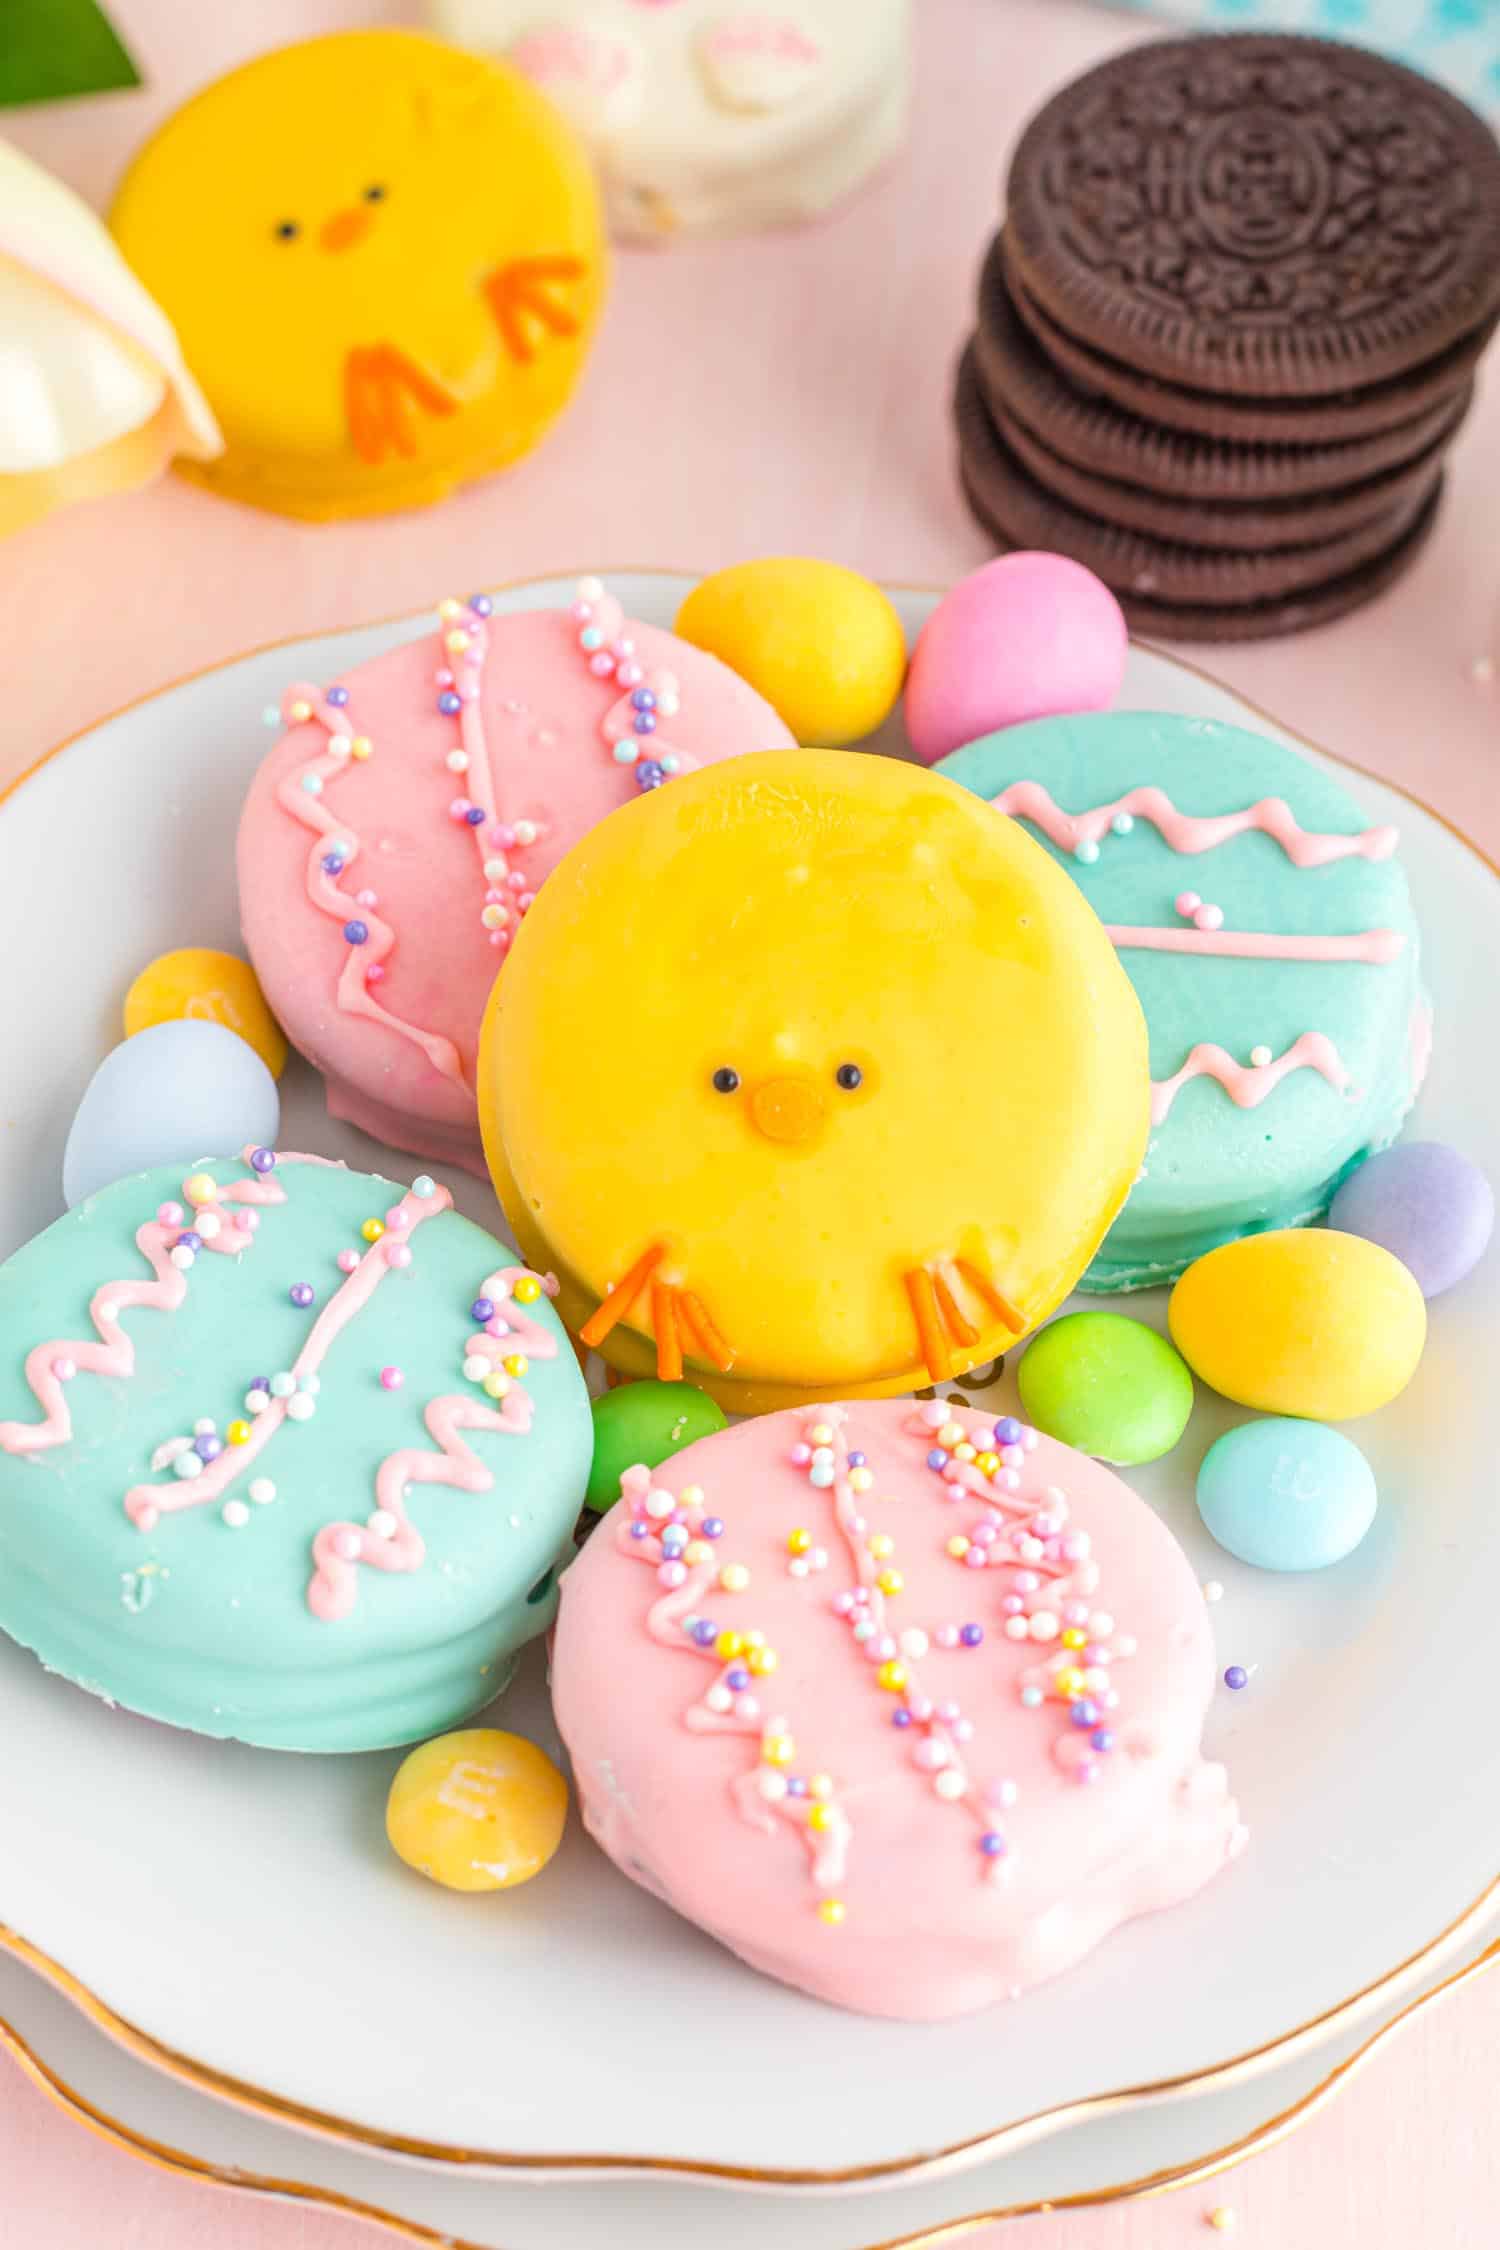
[
  {"x": 812, "y": 1075},
  {"x": 198, "y": 982},
  {"x": 821, "y": 644},
  {"x": 384, "y": 260},
  {"x": 477, "y": 1811}
]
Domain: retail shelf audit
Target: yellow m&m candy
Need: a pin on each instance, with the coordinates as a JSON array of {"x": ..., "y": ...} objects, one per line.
[
  {"x": 211, "y": 987},
  {"x": 479, "y": 1810},
  {"x": 821, "y": 644}
]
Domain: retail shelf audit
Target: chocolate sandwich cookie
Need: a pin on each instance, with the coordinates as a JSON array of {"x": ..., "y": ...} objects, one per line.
[
  {"x": 1169, "y": 587},
  {"x": 1094, "y": 435},
  {"x": 1340, "y": 417},
  {"x": 1236, "y": 526},
  {"x": 1259, "y": 216}
]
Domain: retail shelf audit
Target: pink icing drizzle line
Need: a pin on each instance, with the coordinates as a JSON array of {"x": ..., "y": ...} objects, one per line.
[
  {"x": 1189, "y": 832},
  {"x": 352, "y": 991},
  {"x": 340, "y": 1548},
  {"x": 1051, "y": 1568},
  {"x": 1377, "y": 946},
  {"x": 1248, "y": 1084},
  {"x": 601, "y": 612},
  {"x": 827, "y": 1850},
  {"x": 114, "y": 1353},
  {"x": 851, "y": 1525},
  {"x": 145, "y": 1504}
]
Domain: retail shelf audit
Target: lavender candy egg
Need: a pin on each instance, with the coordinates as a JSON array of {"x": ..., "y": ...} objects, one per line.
[
  {"x": 1426, "y": 1204},
  {"x": 174, "y": 1092}
]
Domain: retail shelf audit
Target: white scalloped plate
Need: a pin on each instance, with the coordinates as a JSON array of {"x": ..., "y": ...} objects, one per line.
[{"x": 235, "y": 1916}]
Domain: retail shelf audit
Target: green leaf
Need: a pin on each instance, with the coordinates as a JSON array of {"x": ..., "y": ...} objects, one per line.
[{"x": 51, "y": 49}]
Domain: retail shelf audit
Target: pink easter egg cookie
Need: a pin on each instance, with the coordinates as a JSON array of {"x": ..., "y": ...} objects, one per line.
[
  {"x": 904, "y": 1704},
  {"x": 399, "y": 830}
]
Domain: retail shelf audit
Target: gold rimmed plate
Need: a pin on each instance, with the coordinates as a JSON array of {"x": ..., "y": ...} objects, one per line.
[{"x": 234, "y": 1918}]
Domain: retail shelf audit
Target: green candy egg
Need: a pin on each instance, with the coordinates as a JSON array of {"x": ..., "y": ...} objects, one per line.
[
  {"x": 644, "y": 1423},
  {"x": 1108, "y": 1385}
]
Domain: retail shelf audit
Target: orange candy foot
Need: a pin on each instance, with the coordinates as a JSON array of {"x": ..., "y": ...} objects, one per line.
[
  {"x": 523, "y": 296},
  {"x": 678, "y": 1316},
  {"x": 381, "y": 385},
  {"x": 942, "y": 1324}
]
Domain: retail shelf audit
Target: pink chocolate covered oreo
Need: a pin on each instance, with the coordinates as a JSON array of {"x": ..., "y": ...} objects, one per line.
[
  {"x": 397, "y": 833},
  {"x": 904, "y": 1704}
]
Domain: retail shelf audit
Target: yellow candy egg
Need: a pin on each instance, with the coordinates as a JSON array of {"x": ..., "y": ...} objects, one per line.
[
  {"x": 477, "y": 1811},
  {"x": 821, "y": 644},
  {"x": 210, "y": 987},
  {"x": 1305, "y": 1321}
]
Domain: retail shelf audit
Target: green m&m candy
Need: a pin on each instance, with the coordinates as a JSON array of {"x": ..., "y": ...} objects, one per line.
[
  {"x": 644, "y": 1423},
  {"x": 1109, "y": 1386}
]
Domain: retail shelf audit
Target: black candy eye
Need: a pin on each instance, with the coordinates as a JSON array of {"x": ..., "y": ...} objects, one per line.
[
  {"x": 849, "y": 1075},
  {"x": 725, "y": 1080},
  {"x": 287, "y": 231},
  {"x": 374, "y": 193}
]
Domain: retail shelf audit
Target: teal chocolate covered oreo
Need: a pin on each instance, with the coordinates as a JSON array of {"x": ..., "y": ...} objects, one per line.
[
  {"x": 1268, "y": 930},
  {"x": 287, "y": 1453}
]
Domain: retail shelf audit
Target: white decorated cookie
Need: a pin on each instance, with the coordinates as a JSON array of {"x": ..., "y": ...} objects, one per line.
[{"x": 705, "y": 117}]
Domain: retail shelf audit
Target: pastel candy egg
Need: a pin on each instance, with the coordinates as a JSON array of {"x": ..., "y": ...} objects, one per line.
[
  {"x": 642, "y": 1424},
  {"x": 1109, "y": 1386},
  {"x": 206, "y": 986},
  {"x": 1286, "y": 1495},
  {"x": 1302, "y": 1321},
  {"x": 1030, "y": 636},
  {"x": 1426, "y": 1204},
  {"x": 821, "y": 644},
  {"x": 479, "y": 1810},
  {"x": 172, "y": 1093}
]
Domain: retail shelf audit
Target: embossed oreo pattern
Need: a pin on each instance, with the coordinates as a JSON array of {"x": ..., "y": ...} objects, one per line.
[{"x": 1259, "y": 215}]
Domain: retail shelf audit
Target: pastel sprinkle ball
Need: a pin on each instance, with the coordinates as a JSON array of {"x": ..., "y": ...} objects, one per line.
[
  {"x": 391, "y": 1378},
  {"x": 1286, "y": 1494},
  {"x": 479, "y": 1810},
  {"x": 1426, "y": 1204},
  {"x": 823, "y": 645},
  {"x": 1108, "y": 1385},
  {"x": 1303, "y": 1321},
  {"x": 1029, "y": 636},
  {"x": 197, "y": 981},
  {"x": 1236, "y": 1677}
]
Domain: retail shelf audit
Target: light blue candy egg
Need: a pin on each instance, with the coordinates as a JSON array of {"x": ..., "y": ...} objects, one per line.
[
  {"x": 174, "y": 1092},
  {"x": 1286, "y": 1494}
]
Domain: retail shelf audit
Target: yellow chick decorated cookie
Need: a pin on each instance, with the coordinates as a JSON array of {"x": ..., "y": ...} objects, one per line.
[
  {"x": 385, "y": 262},
  {"x": 812, "y": 1078}
]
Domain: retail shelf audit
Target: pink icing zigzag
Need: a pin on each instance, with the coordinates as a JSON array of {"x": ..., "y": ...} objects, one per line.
[
  {"x": 114, "y": 1353},
  {"x": 763, "y": 1802},
  {"x": 1191, "y": 833},
  {"x": 340, "y": 1548},
  {"x": 146, "y": 1504},
  {"x": 307, "y": 808},
  {"x": 1248, "y": 1084}
]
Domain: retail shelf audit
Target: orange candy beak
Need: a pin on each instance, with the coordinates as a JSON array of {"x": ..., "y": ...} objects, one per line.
[
  {"x": 787, "y": 1110},
  {"x": 344, "y": 229}
]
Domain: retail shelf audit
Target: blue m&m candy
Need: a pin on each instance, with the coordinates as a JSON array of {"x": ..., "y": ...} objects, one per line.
[{"x": 1286, "y": 1494}]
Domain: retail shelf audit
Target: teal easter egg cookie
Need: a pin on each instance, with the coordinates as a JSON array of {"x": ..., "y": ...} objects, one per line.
[
  {"x": 287, "y": 1453},
  {"x": 1268, "y": 930}
]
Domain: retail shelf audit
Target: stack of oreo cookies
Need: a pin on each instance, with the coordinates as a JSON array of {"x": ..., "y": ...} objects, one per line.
[{"x": 1229, "y": 328}]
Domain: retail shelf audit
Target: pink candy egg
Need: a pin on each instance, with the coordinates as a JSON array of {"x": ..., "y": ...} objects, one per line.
[{"x": 1030, "y": 636}]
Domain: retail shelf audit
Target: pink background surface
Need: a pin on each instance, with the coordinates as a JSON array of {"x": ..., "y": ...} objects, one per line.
[{"x": 782, "y": 395}]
